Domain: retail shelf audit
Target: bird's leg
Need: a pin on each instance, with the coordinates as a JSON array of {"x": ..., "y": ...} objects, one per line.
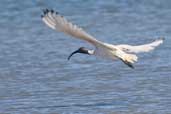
[{"x": 128, "y": 64}]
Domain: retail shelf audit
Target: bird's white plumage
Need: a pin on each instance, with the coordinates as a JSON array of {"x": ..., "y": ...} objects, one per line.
[
  {"x": 141, "y": 48},
  {"x": 59, "y": 23}
]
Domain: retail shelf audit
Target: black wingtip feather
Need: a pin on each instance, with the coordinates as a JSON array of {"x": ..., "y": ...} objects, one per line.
[
  {"x": 52, "y": 11},
  {"x": 45, "y": 11}
]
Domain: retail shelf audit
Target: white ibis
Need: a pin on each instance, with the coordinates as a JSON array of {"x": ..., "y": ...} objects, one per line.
[{"x": 124, "y": 52}]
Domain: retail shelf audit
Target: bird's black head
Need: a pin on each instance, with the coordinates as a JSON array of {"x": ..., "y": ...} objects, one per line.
[{"x": 80, "y": 50}]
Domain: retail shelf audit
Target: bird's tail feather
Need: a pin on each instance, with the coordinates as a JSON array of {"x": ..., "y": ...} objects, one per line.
[
  {"x": 129, "y": 59},
  {"x": 126, "y": 57}
]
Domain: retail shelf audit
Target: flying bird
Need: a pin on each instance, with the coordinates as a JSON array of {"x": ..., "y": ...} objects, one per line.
[{"x": 125, "y": 53}]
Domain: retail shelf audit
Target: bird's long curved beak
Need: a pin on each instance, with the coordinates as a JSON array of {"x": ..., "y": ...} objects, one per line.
[{"x": 77, "y": 51}]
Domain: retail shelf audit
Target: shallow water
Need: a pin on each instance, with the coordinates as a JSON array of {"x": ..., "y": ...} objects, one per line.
[{"x": 35, "y": 76}]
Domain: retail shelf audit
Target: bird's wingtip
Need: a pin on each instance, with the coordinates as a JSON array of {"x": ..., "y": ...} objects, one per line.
[
  {"x": 161, "y": 38},
  {"x": 46, "y": 10},
  {"x": 42, "y": 16}
]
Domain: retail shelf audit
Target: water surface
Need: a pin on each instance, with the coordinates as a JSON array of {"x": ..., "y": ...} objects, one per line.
[{"x": 35, "y": 76}]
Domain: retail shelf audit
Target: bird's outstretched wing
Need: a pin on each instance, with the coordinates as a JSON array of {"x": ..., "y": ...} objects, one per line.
[
  {"x": 141, "y": 48},
  {"x": 57, "y": 22}
]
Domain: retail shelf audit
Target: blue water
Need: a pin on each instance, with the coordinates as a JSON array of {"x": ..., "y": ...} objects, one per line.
[{"x": 36, "y": 78}]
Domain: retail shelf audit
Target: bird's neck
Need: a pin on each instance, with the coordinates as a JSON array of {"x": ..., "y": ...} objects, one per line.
[{"x": 91, "y": 52}]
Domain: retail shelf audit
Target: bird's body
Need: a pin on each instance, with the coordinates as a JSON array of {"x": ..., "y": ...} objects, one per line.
[{"x": 123, "y": 52}]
